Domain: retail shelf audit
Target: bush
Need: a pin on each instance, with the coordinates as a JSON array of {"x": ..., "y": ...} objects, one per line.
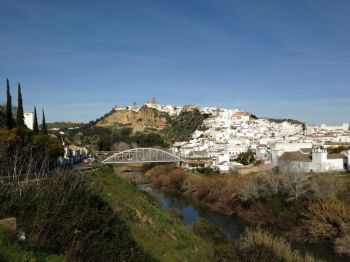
[
  {"x": 168, "y": 177},
  {"x": 224, "y": 248},
  {"x": 342, "y": 245},
  {"x": 260, "y": 245},
  {"x": 210, "y": 232},
  {"x": 326, "y": 219},
  {"x": 290, "y": 186},
  {"x": 206, "y": 171},
  {"x": 246, "y": 158},
  {"x": 219, "y": 191}
]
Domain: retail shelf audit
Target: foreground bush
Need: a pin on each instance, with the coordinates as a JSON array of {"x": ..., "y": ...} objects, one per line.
[
  {"x": 255, "y": 245},
  {"x": 260, "y": 245},
  {"x": 63, "y": 216}
]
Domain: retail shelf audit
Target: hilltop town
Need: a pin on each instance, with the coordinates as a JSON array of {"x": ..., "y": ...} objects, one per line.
[{"x": 225, "y": 134}]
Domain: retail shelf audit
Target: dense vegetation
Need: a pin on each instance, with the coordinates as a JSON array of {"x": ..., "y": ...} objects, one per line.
[
  {"x": 182, "y": 127},
  {"x": 246, "y": 158},
  {"x": 280, "y": 120},
  {"x": 311, "y": 207},
  {"x": 62, "y": 215},
  {"x": 2, "y": 117},
  {"x": 255, "y": 245},
  {"x": 12, "y": 251},
  {"x": 22, "y": 151}
]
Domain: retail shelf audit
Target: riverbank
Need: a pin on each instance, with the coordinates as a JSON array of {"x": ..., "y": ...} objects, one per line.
[
  {"x": 147, "y": 218},
  {"x": 312, "y": 209}
]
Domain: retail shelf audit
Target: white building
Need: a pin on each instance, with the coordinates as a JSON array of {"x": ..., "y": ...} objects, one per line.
[
  {"x": 316, "y": 161},
  {"x": 223, "y": 163},
  {"x": 235, "y": 150},
  {"x": 29, "y": 120},
  {"x": 280, "y": 148}
]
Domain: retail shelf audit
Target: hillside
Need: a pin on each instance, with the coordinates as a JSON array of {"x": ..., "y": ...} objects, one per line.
[
  {"x": 154, "y": 124},
  {"x": 144, "y": 126},
  {"x": 138, "y": 120},
  {"x": 157, "y": 231}
]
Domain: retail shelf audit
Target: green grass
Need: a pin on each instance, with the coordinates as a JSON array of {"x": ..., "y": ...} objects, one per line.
[
  {"x": 15, "y": 252},
  {"x": 163, "y": 236}
]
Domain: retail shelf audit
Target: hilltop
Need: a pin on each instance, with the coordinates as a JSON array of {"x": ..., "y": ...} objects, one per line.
[
  {"x": 151, "y": 124},
  {"x": 156, "y": 124}
]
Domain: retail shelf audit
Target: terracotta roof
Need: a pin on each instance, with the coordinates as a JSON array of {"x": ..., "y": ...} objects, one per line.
[{"x": 295, "y": 156}]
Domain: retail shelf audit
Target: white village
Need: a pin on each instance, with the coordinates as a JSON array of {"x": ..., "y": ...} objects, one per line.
[{"x": 284, "y": 144}]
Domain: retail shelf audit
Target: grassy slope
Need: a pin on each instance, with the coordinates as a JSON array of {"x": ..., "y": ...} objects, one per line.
[
  {"x": 14, "y": 252},
  {"x": 164, "y": 237}
]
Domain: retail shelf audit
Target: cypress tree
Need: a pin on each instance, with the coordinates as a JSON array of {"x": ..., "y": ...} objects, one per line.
[
  {"x": 35, "y": 123},
  {"x": 20, "y": 113},
  {"x": 9, "y": 118},
  {"x": 43, "y": 125}
]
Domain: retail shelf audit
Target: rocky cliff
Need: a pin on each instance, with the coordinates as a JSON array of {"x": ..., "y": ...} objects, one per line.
[{"x": 139, "y": 120}]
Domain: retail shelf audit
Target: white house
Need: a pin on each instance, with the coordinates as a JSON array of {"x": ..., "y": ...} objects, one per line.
[
  {"x": 316, "y": 161},
  {"x": 223, "y": 163},
  {"x": 29, "y": 120},
  {"x": 235, "y": 150}
]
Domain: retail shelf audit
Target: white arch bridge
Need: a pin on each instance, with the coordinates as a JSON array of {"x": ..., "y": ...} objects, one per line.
[{"x": 142, "y": 155}]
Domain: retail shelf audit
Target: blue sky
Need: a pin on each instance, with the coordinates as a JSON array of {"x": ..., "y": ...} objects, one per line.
[{"x": 77, "y": 59}]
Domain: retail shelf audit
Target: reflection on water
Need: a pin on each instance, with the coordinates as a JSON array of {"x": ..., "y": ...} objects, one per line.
[{"x": 234, "y": 226}]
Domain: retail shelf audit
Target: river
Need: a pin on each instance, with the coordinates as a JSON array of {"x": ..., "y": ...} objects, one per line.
[{"x": 232, "y": 225}]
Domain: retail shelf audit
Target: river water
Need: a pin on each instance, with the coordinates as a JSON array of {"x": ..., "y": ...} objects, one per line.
[{"x": 232, "y": 225}]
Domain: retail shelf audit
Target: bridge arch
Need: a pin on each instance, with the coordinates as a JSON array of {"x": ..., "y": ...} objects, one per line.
[{"x": 142, "y": 155}]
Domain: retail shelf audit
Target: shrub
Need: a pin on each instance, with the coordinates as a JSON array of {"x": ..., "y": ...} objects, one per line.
[
  {"x": 168, "y": 177},
  {"x": 225, "y": 253},
  {"x": 246, "y": 158},
  {"x": 220, "y": 191},
  {"x": 210, "y": 232},
  {"x": 224, "y": 248},
  {"x": 207, "y": 171},
  {"x": 260, "y": 245},
  {"x": 342, "y": 245},
  {"x": 291, "y": 186},
  {"x": 326, "y": 219}
]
